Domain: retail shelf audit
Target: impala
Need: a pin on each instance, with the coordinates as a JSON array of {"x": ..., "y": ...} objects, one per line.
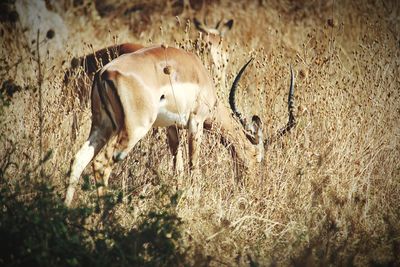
[
  {"x": 218, "y": 50},
  {"x": 159, "y": 86}
]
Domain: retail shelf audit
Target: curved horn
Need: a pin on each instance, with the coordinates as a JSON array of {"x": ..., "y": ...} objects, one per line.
[
  {"x": 233, "y": 92},
  {"x": 292, "y": 120}
]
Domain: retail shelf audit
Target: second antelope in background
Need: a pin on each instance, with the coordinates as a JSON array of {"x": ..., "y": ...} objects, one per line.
[{"x": 214, "y": 36}]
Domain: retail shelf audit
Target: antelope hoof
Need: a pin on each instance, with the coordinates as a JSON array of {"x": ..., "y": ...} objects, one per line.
[{"x": 119, "y": 156}]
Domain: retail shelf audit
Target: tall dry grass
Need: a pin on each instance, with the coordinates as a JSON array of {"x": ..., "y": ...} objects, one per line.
[{"x": 328, "y": 193}]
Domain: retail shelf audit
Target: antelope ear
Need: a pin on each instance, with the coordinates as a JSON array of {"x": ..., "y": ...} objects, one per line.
[
  {"x": 226, "y": 27},
  {"x": 229, "y": 24},
  {"x": 218, "y": 24}
]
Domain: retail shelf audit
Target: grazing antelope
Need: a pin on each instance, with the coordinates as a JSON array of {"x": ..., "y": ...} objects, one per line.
[{"x": 156, "y": 86}]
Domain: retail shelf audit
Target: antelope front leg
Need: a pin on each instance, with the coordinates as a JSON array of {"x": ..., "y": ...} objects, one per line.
[
  {"x": 173, "y": 142},
  {"x": 195, "y": 135}
]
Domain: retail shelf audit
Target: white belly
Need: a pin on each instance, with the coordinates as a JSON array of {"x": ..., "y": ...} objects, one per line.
[
  {"x": 176, "y": 105},
  {"x": 167, "y": 118}
]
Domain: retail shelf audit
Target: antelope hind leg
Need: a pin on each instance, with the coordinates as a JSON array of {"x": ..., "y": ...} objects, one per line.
[
  {"x": 81, "y": 160},
  {"x": 102, "y": 168}
]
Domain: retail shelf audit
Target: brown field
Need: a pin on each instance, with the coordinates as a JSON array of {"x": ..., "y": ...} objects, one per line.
[{"x": 328, "y": 193}]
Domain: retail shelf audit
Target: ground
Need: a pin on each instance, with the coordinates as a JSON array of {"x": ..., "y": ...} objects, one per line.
[{"x": 325, "y": 194}]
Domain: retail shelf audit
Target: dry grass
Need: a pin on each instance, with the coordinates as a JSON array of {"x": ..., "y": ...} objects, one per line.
[{"x": 328, "y": 193}]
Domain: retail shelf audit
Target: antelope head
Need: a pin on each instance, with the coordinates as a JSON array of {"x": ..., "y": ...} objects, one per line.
[
  {"x": 218, "y": 48},
  {"x": 253, "y": 128},
  {"x": 218, "y": 31}
]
